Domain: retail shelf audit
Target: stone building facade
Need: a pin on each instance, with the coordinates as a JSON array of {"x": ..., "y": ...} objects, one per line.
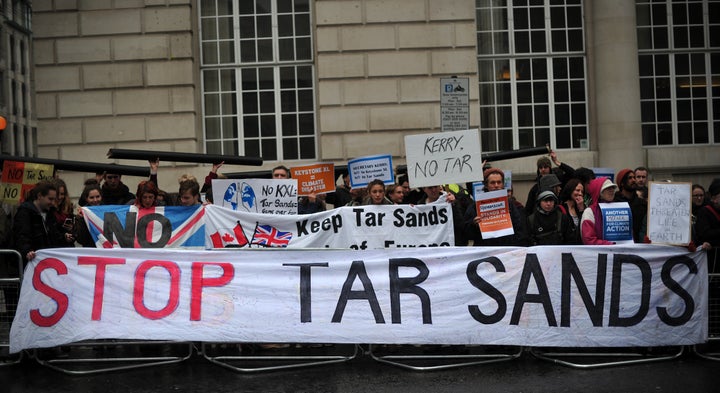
[{"x": 141, "y": 74}]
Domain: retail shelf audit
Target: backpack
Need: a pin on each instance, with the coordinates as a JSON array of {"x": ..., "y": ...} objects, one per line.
[{"x": 546, "y": 238}]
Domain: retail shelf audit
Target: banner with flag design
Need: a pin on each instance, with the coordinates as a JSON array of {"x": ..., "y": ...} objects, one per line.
[
  {"x": 357, "y": 227},
  {"x": 127, "y": 226}
]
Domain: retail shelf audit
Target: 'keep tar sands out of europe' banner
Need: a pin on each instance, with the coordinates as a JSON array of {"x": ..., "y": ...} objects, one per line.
[
  {"x": 266, "y": 196},
  {"x": 20, "y": 177},
  {"x": 126, "y": 226},
  {"x": 598, "y": 296},
  {"x": 358, "y": 227}
]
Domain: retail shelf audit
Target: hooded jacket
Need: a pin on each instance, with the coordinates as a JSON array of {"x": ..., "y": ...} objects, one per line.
[{"x": 591, "y": 225}]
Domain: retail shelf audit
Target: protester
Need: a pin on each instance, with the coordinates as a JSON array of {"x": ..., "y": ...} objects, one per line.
[
  {"x": 699, "y": 200},
  {"x": 189, "y": 193},
  {"x": 114, "y": 191},
  {"x": 601, "y": 190},
  {"x": 394, "y": 193},
  {"x": 90, "y": 196},
  {"x": 707, "y": 227},
  {"x": 547, "y": 225},
  {"x": 376, "y": 194},
  {"x": 572, "y": 204},
  {"x": 341, "y": 196},
  {"x": 642, "y": 177},
  {"x": 147, "y": 193},
  {"x": 63, "y": 211},
  {"x": 513, "y": 200},
  {"x": 495, "y": 180},
  {"x": 412, "y": 195},
  {"x": 33, "y": 227},
  {"x": 563, "y": 172},
  {"x": 280, "y": 172},
  {"x": 638, "y": 206}
]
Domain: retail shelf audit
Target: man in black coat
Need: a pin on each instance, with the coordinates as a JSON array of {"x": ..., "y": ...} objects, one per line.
[
  {"x": 114, "y": 191},
  {"x": 33, "y": 226}
]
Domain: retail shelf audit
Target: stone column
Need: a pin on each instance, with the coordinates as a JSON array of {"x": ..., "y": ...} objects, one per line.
[{"x": 613, "y": 55}]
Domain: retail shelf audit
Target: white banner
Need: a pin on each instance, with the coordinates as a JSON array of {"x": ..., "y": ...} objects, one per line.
[
  {"x": 592, "y": 296},
  {"x": 357, "y": 227}
]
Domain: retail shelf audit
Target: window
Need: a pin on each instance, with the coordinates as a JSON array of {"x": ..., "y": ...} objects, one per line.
[
  {"x": 531, "y": 64},
  {"x": 258, "y": 78},
  {"x": 679, "y": 61}
]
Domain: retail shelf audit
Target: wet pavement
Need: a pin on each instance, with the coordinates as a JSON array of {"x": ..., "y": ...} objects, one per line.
[{"x": 687, "y": 373}]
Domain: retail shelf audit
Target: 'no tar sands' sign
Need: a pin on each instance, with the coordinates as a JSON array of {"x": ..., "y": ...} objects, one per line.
[{"x": 444, "y": 157}]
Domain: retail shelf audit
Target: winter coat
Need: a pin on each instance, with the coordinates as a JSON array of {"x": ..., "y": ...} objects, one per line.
[{"x": 32, "y": 232}]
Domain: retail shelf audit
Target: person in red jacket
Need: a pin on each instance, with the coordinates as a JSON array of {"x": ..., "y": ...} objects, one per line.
[{"x": 601, "y": 190}]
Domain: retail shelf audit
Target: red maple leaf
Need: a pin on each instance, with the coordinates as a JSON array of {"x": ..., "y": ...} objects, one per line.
[{"x": 227, "y": 238}]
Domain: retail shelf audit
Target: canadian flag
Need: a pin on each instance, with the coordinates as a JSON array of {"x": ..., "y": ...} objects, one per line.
[{"x": 226, "y": 237}]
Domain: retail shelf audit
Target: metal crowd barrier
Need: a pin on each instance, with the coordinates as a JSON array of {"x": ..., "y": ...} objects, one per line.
[
  {"x": 9, "y": 295},
  {"x": 444, "y": 357},
  {"x": 710, "y": 350},
  {"x": 305, "y": 356},
  {"x": 92, "y": 357},
  {"x": 601, "y": 357}
]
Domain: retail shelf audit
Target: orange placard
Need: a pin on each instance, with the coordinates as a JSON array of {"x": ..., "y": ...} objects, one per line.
[
  {"x": 494, "y": 215},
  {"x": 315, "y": 178}
]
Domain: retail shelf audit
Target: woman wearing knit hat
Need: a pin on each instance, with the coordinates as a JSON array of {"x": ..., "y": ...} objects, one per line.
[{"x": 601, "y": 190}]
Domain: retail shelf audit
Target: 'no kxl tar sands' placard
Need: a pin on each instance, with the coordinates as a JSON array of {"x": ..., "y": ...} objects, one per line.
[
  {"x": 443, "y": 157},
  {"x": 265, "y": 196},
  {"x": 19, "y": 177}
]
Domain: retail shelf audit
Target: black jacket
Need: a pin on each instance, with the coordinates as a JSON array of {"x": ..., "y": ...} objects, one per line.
[
  {"x": 118, "y": 196},
  {"x": 32, "y": 232}
]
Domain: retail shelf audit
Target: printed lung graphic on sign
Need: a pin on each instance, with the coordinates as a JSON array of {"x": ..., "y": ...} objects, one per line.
[
  {"x": 248, "y": 199},
  {"x": 230, "y": 196}
]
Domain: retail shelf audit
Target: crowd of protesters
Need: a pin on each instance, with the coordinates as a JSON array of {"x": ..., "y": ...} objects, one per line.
[{"x": 562, "y": 207}]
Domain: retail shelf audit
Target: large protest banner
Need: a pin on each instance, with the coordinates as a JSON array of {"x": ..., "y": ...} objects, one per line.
[
  {"x": 267, "y": 196},
  {"x": 20, "y": 177},
  {"x": 444, "y": 157},
  {"x": 669, "y": 211},
  {"x": 126, "y": 226},
  {"x": 642, "y": 295},
  {"x": 358, "y": 227}
]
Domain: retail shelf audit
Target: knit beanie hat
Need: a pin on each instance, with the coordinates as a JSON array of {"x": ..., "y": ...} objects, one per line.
[
  {"x": 548, "y": 181},
  {"x": 620, "y": 179},
  {"x": 492, "y": 170},
  {"x": 547, "y": 194}
]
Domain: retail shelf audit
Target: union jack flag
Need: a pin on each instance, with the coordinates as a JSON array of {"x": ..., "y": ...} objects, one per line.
[{"x": 269, "y": 236}]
